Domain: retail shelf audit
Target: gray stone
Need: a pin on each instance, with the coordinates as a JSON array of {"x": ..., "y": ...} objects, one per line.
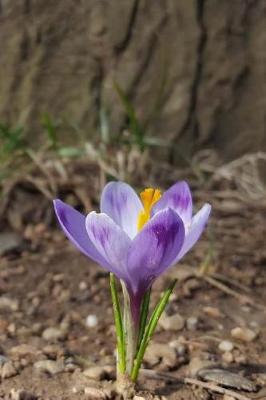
[
  {"x": 96, "y": 372},
  {"x": 157, "y": 352},
  {"x": 53, "y": 334},
  {"x": 7, "y": 303},
  {"x": 243, "y": 334},
  {"x": 180, "y": 348},
  {"x": 3, "y": 360},
  {"x": 91, "y": 321},
  {"x": 52, "y": 367},
  {"x": 9, "y": 241},
  {"x": 23, "y": 350},
  {"x": 228, "y": 357},
  {"x": 226, "y": 346},
  {"x": 227, "y": 379},
  {"x": 173, "y": 322},
  {"x": 192, "y": 323},
  {"x": 20, "y": 394},
  {"x": 8, "y": 370}
]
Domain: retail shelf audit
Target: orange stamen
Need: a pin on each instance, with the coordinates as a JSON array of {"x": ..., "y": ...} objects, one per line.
[{"x": 149, "y": 197}]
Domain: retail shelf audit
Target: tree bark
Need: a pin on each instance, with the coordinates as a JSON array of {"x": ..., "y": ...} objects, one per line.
[{"x": 193, "y": 69}]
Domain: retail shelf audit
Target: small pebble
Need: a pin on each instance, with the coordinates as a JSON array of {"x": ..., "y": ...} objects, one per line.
[
  {"x": 6, "y": 303},
  {"x": 83, "y": 286},
  {"x": 20, "y": 394},
  {"x": 197, "y": 364},
  {"x": 23, "y": 350},
  {"x": 53, "y": 334},
  {"x": 228, "y": 357},
  {"x": 58, "y": 278},
  {"x": 9, "y": 242},
  {"x": 52, "y": 351},
  {"x": 173, "y": 322},
  {"x": 71, "y": 367},
  {"x": 8, "y": 370},
  {"x": 243, "y": 334},
  {"x": 3, "y": 360},
  {"x": 160, "y": 352},
  {"x": 11, "y": 329},
  {"x": 95, "y": 394},
  {"x": 91, "y": 321},
  {"x": 52, "y": 367},
  {"x": 192, "y": 323},
  {"x": 96, "y": 372},
  {"x": 180, "y": 348},
  {"x": 226, "y": 346},
  {"x": 212, "y": 312}
]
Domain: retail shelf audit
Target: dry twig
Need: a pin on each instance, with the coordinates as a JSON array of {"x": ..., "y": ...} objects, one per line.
[{"x": 241, "y": 297}]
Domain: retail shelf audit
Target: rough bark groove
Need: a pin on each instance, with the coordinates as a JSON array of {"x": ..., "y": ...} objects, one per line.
[{"x": 62, "y": 57}]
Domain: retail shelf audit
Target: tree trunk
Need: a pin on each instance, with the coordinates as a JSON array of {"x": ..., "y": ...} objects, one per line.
[{"x": 193, "y": 69}]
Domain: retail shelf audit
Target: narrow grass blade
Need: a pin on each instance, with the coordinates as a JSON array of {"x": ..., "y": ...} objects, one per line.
[
  {"x": 118, "y": 326},
  {"x": 50, "y": 127},
  {"x": 135, "y": 127},
  {"x": 150, "y": 330}
]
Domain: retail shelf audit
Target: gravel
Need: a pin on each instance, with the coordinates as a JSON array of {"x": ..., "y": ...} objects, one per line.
[
  {"x": 173, "y": 323},
  {"x": 226, "y": 346},
  {"x": 91, "y": 321},
  {"x": 243, "y": 334},
  {"x": 52, "y": 367}
]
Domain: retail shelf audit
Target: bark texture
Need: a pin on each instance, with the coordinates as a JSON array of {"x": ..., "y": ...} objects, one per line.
[{"x": 194, "y": 69}]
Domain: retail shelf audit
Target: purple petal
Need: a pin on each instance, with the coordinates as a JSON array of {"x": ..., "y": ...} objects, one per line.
[
  {"x": 179, "y": 198},
  {"x": 110, "y": 241},
  {"x": 73, "y": 225},
  {"x": 195, "y": 230},
  {"x": 155, "y": 248},
  {"x": 123, "y": 205}
]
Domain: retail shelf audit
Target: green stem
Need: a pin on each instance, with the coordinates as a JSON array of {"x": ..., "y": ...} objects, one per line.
[
  {"x": 144, "y": 315},
  {"x": 131, "y": 331},
  {"x": 121, "y": 359},
  {"x": 150, "y": 330}
]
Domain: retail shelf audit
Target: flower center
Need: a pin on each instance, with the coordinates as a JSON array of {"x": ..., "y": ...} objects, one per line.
[{"x": 148, "y": 197}]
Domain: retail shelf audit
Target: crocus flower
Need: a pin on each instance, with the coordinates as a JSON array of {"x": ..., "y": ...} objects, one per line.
[{"x": 136, "y": 238}]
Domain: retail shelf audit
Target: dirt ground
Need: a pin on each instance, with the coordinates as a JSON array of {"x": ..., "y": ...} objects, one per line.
[{"x": 56, "y": 318}]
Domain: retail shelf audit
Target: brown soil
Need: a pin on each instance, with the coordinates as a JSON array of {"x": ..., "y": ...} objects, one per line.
[{"x": 55, "y": 286}]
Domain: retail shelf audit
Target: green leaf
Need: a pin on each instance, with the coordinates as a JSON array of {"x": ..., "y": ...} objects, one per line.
[
  {"x": 11, "y": 139},
  {"x": 70, "y": 152},
  {"x": 118, "y": 326},
  {"x": 134, "y": 125},
  {"x": 50, "y": 127},
  {"x": 150, "y": 330}
]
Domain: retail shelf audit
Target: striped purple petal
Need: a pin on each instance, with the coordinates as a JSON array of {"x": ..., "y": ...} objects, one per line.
[
  {"x": 155, "y": 248},
  {"x": 122, "y": 204},
  {"x": 179, "y": 198},
  {"x": 195, "y": 230},
  {"x": 110, "y": 241},
  {"x": 73, "y": 225}
]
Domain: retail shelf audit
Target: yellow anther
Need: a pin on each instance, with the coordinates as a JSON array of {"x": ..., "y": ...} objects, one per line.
[{"x": 149, "y": 197}]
